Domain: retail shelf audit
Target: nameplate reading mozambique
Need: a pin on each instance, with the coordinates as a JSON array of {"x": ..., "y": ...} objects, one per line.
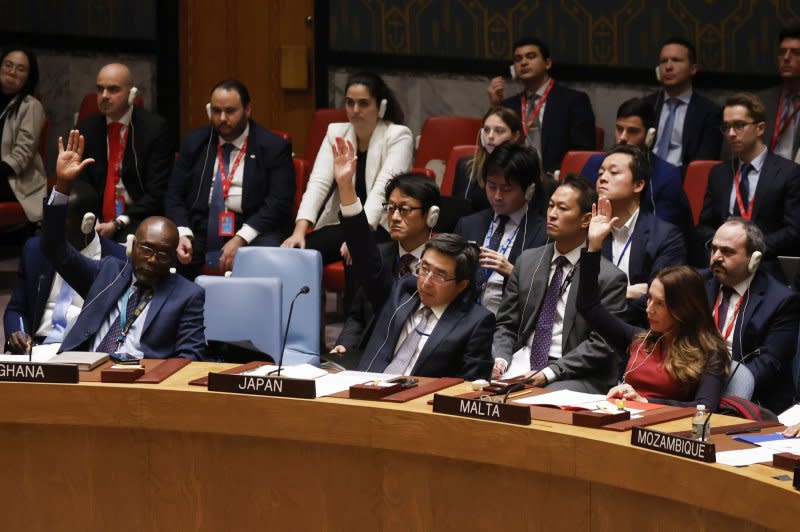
[
  {"x": 668, "y": 443},
  {"x": 38, "y": 372},
  {"x": 250, "y": 384},
  {"x": 488, "y": 410}
]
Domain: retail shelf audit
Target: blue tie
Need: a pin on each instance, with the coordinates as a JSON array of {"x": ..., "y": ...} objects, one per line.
[
  {"x": 744, "y": 188},
  {"x": 662, "y": 150},
  {"x": 214, "y": 242},
  {"x": 59, "y": 321},
  {"x": 494, "y": 243}
]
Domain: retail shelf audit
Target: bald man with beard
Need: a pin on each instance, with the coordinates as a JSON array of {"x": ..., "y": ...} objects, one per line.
[{"x": 136, "y": 308}]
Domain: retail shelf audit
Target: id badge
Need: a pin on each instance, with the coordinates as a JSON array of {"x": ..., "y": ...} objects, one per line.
[
  {"x": 119, "y": 204},
  {"x": 227, "y": 222}
]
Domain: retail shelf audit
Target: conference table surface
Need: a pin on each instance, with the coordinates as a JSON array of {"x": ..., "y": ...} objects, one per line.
[{"x": 174, "y": 456}]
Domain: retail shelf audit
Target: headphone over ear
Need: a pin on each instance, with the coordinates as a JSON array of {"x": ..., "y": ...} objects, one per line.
[
  {"x": 755, "y": 260},
  {"x": 433, "y": 216},
  {"x": 132, "y": 95},
  {"x": 88, "y": 223},
  {"x": 208, "y": 110},
  {"x": 658, "y": 74},
  {"x": 382, "y": 108},
  {"x": 129, "y": 241},
  {"x": 650, "y": 138},
  {"x": 530, "y": 191}
]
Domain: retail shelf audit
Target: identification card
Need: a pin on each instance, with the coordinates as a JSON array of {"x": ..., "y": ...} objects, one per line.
[
  {"x": 227, "y": 223},
  {"x": 119, "y": 204}
]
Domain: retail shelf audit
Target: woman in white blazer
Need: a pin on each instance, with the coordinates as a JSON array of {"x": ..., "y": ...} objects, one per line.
[
  {"x": 385, "y": 149},
  {"x": 22, "y": 176}
]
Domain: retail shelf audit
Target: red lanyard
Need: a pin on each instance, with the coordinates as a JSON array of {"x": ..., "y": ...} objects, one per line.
[
  {"x": 227, "y": 177},
  {"x": 528, "y": 119},
  {"x": 781, "y": 125},
  {"x": 746, "y": 214},
  {"x": 729, "y": 328}
]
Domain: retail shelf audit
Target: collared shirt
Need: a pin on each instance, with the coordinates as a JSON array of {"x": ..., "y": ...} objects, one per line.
[
  {"x": 411, "y": 323},
  {"x": 93, "y": 251},
  {"x": 757, "y": 164},
  {"x": 786, "y": 140},
  {"x": 535, "y": 136},
  {"x": 132, "y": 343},
  {"x": 493, "y": 291},
  {"x": 417, "y": 251},
  {"x": 620, "y": 243},
  {"x": 676, "y": 139},
  {"x": 739, "y": 290},
  {"x": 125, "y": 120}
]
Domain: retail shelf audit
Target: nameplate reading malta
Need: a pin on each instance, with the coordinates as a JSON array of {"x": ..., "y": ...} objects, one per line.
[
  {"x": 254, "y": 385},
  {"x": 476, "y": 408},
  {"x": 38, "y": 372},
  {"x": 668, "y": 443}
]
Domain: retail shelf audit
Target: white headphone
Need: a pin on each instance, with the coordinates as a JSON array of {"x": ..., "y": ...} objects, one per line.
[
  {"x": 650, "y": 138},
  {"x": 381, "y": 108},
  {"x": 208, "y": 110},
  {"x": 755, "y": 261},
  {"x": 530, "y": 191},
  {"x": 88, "y": 223},
  {"x": 129, "y": 241},
  {"x": 132, "y": 95},
  {"x": 658, "y": 73},
  {"x": 433, "y": 216}
]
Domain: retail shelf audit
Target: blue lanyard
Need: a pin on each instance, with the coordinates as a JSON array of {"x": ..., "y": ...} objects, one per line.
[
  {"x": 509, "y": 241},
  {"x": 624, "y": 249}
]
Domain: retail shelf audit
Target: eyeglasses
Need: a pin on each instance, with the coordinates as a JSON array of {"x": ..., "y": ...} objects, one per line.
[
  {"x": 148, "y": 253},
  {"x": 404, "y": 210},
  {"x": 737, "y": 126},
  {"x": 11, "y": 67},
  {"x": 424, "y": 271}
]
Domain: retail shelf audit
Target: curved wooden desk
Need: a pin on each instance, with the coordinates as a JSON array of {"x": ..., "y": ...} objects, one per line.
[{"x": 177, "y": 457}]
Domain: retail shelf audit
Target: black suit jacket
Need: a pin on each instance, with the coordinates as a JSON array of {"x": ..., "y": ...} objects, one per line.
[
  {"x": 568, "y": 124},
  {"x": 144, "y": 174},
  {"x": 766, "y": 334},
  {"x": 701, "y": 137}
]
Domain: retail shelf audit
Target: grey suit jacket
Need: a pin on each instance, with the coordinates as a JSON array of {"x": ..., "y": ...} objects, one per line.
[
  {"x": 585, "y": 354},
  {"x": 769, "y": 98}
]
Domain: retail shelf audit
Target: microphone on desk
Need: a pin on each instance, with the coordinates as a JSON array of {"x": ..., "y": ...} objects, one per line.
[{"x": 303, "y": 290}]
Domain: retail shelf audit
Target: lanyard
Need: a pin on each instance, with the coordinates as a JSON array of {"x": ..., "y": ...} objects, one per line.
[
  {"x": 227, "y": 177},
  {"x": 529, "y": 118},
  {"x": 624, "y": 249},
  {"x": 125, "y": 321},
  {"x": 729, "y": 328},
  {"x": 509, "y": 241},
  {"x": 781, "y": 125},
  {"x": 746, "y": 214}
]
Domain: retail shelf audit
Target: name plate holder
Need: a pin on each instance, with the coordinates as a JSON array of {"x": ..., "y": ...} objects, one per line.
[
  {"x": 38, "y": 372},
  {"x": 480, "y": 409},
  {"x": 701, "y": 451},
  {"x": 271, "y": 386}
]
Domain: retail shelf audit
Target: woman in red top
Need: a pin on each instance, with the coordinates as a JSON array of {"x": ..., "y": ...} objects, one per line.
[{"x": 681, "y": 359}]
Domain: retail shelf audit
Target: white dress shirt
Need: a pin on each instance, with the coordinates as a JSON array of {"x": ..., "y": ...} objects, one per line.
[
  {"x": 620, "y": 243},
  {"x": 739, "y": 291}
]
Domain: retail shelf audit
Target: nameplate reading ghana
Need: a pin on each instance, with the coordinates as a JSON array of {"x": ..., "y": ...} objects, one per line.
[
  {"x": 35, "y": 372},
  {"x": 488, "y": 410},
  {"x": 671, "y": 444},
  {"x": 273, "y": 386}
]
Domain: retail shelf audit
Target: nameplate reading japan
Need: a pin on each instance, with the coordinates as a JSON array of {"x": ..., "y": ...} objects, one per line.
[
  {"x": 668, "y": 443},
  {"x": 36, "y": 372},
  {"x": 252, "y": 385},
  {"x": 488, "y": 410}
]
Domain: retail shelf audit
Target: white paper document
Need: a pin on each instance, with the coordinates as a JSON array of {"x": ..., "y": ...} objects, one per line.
[
  {"x": 790, "y": 416},
  {"x": 300, "y": 371},
  {"x": 40, "y": 353},
  {"x": 520, "y": 364},
  {"x": 745, "y": 457},
  {"x": 564, "y": 398}
]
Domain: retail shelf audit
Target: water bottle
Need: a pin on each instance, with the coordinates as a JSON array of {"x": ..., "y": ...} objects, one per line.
[{"x": 700, "y": 430}]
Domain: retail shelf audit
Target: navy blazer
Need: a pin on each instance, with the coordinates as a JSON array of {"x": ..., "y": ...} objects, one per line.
[
  {"x": 174, "y": 323},
  {"x": 701, "y": 137},
  {"x": 34, "y": 282},
  {"x": 766, "y": 334},
  {"x": 145, "y": 174},
  {"x": 568, "y": 124},
  {"x": 459, "y": 346}
]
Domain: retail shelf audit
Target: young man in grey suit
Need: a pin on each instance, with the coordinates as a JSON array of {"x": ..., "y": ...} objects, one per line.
[{"x": 537, "y": 322}]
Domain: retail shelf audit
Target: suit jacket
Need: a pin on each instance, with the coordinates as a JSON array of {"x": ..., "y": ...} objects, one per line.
[
  {"x": 460, "y": 344},
  {"x": 766, "y": 336},
  {"x": 770, "y": 99},
  {"x": 701, "y": 137},
  {"x": 144, "y": 173},
  {"x": 174, "y": 322},
  {"x": 567, "y": 124},
  {"x": 268, "y": 184},
  {"x": 20, "y": 150},
  {"x": 34, "y": 282},
  {"x": 586, "y": 356}
]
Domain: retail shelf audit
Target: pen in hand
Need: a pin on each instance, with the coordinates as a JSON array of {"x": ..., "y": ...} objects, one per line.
[{"x": 28, "y": 342}]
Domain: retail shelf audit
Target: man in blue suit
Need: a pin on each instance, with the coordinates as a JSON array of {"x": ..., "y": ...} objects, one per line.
[
  {"x": 42, "y": 306},
  {"x": 232, "y": 185},
  {"x": 133, "y": 307},
  {"x": 555, "y": 118}
]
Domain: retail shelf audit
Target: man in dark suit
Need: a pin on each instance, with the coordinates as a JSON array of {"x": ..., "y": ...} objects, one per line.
[
  {"x": 756, "y": 315},
  {"x": 131, "y": 150},
  {"x": 512, "y": 223},
  {"x": 135, "y": 307},
  {"x": 640, "y": 244},
  {"x": 42, "y": 305},
  {"x": 783, "y": 102},
  {"x": 556, "y": 119},
  {"x": 428, "y": 325},
  {"x": 756, "y": 185},
  {"x": 538, "y": 324},
  {"x": 688, "y": 123},
  {"x": 232, "y": 184}
]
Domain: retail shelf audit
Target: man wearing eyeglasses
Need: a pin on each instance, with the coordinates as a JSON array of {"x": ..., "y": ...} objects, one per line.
[
  {"x": 756, "y": 184},
  {"x": 133, "y": 309},
  {"x": 428, "y": 324}
]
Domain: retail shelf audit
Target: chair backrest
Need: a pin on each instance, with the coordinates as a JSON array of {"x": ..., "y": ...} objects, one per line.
[
  {"x": 441, "y": 133},
  {"x": 695, "y": 183},
  {"x": 302, "y": 173},
  {"x": 296, "y": 268},
  {"x": 89, "y": 106},
  {"x": 427, "y": 172},
  {"x": 599, "y": 138},
  {"x": 456, "y": 153},
  {"x": 244, "y": 311},
  {"x": 574, "y": 161},
  {"x": 742, "y": 382},
  {"x": 320, "y": 120}
]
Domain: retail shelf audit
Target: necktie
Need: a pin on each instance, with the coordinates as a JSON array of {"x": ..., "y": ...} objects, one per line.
[
  {"x": 543, "y": 334},
  {"x": 406, "y": 262},
  {"x": 409, "y": 346},
  {"x": 112, "y": 171},
  {"x": 494, "y": 242},
  {"x": 59, "y": 321},
  {"x": 724, "y": 303},
  {"x": 110, "y": 342},
  {"x": 744, "y": 188},
  {"x": 662, "y": 150},
  {"x": 535, "y": 129},
  {"x": 214, "y": 242}
]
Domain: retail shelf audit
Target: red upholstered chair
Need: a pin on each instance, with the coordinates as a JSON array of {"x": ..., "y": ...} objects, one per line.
[
  {"x": 599, "y": 138},
  {"x": 89, "y": 106},
  {"x": 441, "y": 133},
  {"x": 320, "y": 119},
  {"x": 456, "y": 153},
  {"x": 574, "y": 161},
  {"x": 695, "y": 184},
  {"x": 427, "y": 172},
  {"x": 302, "y": 173}
]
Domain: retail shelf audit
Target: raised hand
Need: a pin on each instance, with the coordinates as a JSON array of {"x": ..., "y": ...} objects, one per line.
[
  {"x": 344, "y": 168},
  {"x": 69, "y": 164},
  {"x": 496, "y": 89},
  {"x": 600, "y": 226}
]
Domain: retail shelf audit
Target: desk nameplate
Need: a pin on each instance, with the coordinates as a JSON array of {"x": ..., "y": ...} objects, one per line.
[
  {"x": 253, "y": 385},
  {"x": 675, "y": 445},
  {"x": 38, "y": 372},
  {"x": 476, "y": 408}
]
